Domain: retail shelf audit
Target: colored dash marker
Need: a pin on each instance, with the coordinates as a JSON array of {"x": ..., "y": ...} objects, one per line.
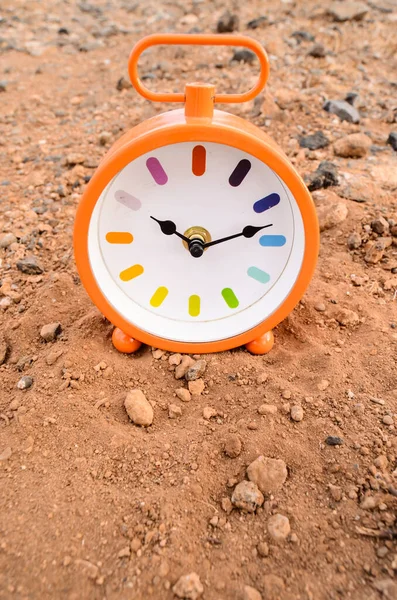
[
  {"x": 156, "y": 170},
  {"x": 258, "y": 275},
  {"x": 272, "y": 240},
  {"x": 159, "y": 296},
  {"x": 194, "y": 306},
  {"x": 267, "y": 202},
  {"x": 131, "y": 273},
  {"x": 198, "y": 160},
  {"x": 127, "y": 200},
  {"x": 230, "y": 298},
  {"x": 119, "y": 237},
  {"x": 240, "y": 172}
]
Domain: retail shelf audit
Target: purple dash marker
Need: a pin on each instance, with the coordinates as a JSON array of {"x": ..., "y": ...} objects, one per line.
[
  {"x": 128, "y": 200},
  {"x": 240, "y": 172},
  {"x": 156, "y": 170}
]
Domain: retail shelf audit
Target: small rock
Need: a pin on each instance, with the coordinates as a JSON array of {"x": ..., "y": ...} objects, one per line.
[
  {"x": 3, "y": 85},
  {"x": 53, "y": 356},
  {"x": 381, "y": 462},
  {"x": 3, "y": 348},
  {"x": 347, "y": 317},
  {"x": 381, "y": 552},
  {"x": 278, "y": 527},
  {"x": 183, "y": 394},
  {"x": 322, "y": 386},
  {"x": 303, "y": 36},
  {"x": 196, "y": 388},
  {"x": 25, "y": 382},
  {"x": 251, "y": 593},
  {"x": 273, "y": 587},
  {"x": 375, "y": 253},
  {"x": 369, "y": 503},
  {"x": 392, "y": 140},
  {"x": 324, "y": 176},
  {"x": 269, "y": 474},
  {"x": 50, "y": 331},
  {"x": 138, "y": 408},
  {"x": 343, "y": 110},
  {"x": 124, "y": 552},
  {"x": 196, "y": 370},
  {"x": 226, "y": 504},
  {"x": 30, "y": 265},
  {"x": 123, "y": 84},
  {"x": 297, "y": 413},
  {"x": 333, "y": 440},
  {"x": 267, "y": 409},
  {"x": 209, "y": 412},
  {"x": 232, "y": 445},
  {"x": 258, "y": 22},
  {"x": 247, "y": 496},
  {"x": 317, "y": 51},
  {"x": 188, "y": 587},
  {"x": 336, "y": 492},
  {"x": 245, "y": 56},
  {"x": 387, "y": 587},
  {"x": 6, "y": 454},
  {"x": 332, "y": 214},
  {"x": 263, "y": 549},
  {"x": 104, "y": 138},
  {"x": 157, "y": 353},
  {"x": 182, "y": 368},
  {"x": 355, "y": 145},
  {"x": 315, "y": 141},
  {"x": 227, "y": 23},
  {"x": 175, "y": 360},
  {"x": 75, "y": 159},
  {"x": 380, "y": 226},
  {"x": 320, "y": 307},
  {"x": 387, "y": 420},
  {"x": 354, "y": 241},
  {"x": 174, "y": 411},
  {"x": 6, "y": 239},
  {"x": 347, "y": 11}
]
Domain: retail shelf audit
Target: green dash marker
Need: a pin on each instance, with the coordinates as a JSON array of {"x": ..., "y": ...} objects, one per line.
[{"x": 230, "y": 298}]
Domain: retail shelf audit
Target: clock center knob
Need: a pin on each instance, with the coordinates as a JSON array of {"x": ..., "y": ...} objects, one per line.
[{"x": 198, "y": 236}]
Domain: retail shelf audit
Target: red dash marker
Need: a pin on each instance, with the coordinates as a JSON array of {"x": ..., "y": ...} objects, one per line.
[{"x": 198, "y": 160}]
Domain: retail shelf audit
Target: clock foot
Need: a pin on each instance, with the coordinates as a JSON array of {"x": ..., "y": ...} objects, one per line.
[
  {"x": 124, "y": 343},
  {"x": 261, "y": 345}
]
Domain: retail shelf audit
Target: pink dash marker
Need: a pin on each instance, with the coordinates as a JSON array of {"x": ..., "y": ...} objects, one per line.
[
  {"x": 156, "y": 170},
  {"x": 128, "y": 200}
]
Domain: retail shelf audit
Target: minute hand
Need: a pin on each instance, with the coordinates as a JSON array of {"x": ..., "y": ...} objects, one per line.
[{"x": 248, "y": 232}]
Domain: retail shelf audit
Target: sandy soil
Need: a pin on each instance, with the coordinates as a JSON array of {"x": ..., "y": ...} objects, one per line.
[{"x": 92, "y": 506}]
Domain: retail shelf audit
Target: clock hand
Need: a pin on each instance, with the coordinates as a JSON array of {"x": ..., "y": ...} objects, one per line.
[
  {"x": 169, "y": 228},
  {"x": 248, "y": 232}
]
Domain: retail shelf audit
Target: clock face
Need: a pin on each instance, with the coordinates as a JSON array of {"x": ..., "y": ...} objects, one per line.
[{"x": 142, "y": 223}]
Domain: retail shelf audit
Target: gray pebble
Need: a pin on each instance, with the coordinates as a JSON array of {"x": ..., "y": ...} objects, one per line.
[
  {"x": 392, "y": 140},
  {"x": 25, "y": 382},
  {"x": 343, "y": 110},
  {"x": 333, "y": 440},
  {"x": 315, "y": 141},
  {"x": 30, "y": 265}
]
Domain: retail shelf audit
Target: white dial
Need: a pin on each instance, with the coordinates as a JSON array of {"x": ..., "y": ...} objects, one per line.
[{"x": 146, "y": 271}]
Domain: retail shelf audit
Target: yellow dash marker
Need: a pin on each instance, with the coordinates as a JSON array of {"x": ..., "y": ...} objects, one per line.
[
  {"x": 159, "y": 296},
  {"x": 119, "y": 237},
  {"x": 131, "y": 272},
  {"x": 194, "y": 306}
]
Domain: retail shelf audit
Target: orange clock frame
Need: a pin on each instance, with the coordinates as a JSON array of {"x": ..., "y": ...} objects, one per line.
[{"x": 197, "y": 122}]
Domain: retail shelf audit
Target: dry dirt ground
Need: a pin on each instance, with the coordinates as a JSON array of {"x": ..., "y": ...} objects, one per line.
[{"x": 93, "y": 506}]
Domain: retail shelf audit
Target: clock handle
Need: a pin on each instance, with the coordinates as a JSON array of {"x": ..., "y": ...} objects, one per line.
[{"x": 187, "y": 39}]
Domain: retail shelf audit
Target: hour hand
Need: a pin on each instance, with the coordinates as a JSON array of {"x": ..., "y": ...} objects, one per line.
[{"x": 169, "y": 228}]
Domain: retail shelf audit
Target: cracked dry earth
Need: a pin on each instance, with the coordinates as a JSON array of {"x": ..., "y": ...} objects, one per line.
[{"x": 94, "y": 506}]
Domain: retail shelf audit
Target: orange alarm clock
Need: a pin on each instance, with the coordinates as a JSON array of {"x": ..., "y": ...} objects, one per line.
[{"x": 195, "y": 233}]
